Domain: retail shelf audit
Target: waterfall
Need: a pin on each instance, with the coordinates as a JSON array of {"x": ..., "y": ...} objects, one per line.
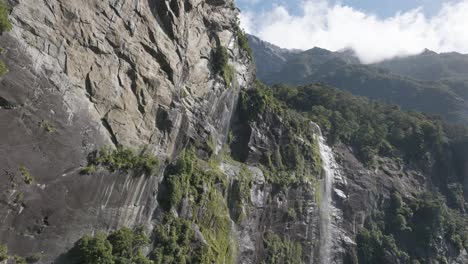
[{"x": 330, "y": 170}]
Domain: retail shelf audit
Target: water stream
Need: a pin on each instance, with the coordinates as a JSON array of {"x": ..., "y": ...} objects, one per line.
[{"x": 330, "y": 170}]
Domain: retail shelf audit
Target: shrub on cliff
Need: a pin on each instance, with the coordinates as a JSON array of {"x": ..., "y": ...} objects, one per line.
[
  {"x": 3, "y": 68},
  {"x": 95, "y": 250},
  {"x": 121, "y": 159},
  {"x": 281, "y": 250},
  {"x": 5, "y": 24},
  {"x": 222, "y": 65},
  {"x": 243, "y": 42},
  {"x": 3, "y": 252},
  {"x": 121, "y": 247}
]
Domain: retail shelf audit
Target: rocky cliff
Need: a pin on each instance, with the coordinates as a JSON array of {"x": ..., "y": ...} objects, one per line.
[{"x": 87, "y": 74}]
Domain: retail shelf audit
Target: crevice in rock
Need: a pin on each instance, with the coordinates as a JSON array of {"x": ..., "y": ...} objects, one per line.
[
  {"x": 216, "y": 2},
  {"x": 132, "y": 74},
  {"x": 175, "y": 7},
  {"x": 47, "y": 4},
  {"x": 45, "y": 220},
  {"x": 143, "y": 102},
  {"x": 97, "y": 50},
  {"x": 89, "y": 87},
  {"x": 106, "y": 124},
  {"x": 125, "y": 57},
  {"x": 163, "y": 16},
  {"x": 5, "y": 104},
  {"x": 65, "y": 70},
  {"x": 182, "y": 137},
  {"x": 184, "y": 76},
  {"x": 162, "y": 61},
  {"x": 163, "y": 122},
  {"x": 188, "y": 6},
  {"x": 151, "y": 35},
  {"x": 115, "y": 10}
]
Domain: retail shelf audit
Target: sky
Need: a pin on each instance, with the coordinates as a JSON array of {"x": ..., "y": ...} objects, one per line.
[{"x": 375, "y": 30}]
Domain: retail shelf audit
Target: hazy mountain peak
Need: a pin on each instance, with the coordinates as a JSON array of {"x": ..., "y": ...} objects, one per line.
[{"x": 429, "y": 52}]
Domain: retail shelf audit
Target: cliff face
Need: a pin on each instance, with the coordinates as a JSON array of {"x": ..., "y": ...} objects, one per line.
[{"x": 87, "y": 74}]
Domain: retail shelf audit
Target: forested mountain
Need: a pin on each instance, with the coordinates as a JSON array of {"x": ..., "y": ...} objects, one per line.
[
  {"x": 429, "y": 66},
  {"x": 394, "y": 81}
]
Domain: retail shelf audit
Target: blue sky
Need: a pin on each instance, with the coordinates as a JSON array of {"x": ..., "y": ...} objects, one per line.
[{"x": 381, "y": 8}]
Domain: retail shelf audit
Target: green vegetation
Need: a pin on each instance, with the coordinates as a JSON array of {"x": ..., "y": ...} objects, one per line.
[
  {"x": 4, "y": 257},
  {"x": 215, "y": 225},
  {"x": 316, "y": 156},
  {"x": 121, "y": 247},
  {"x": 5, "y": 24},
  {"x": 405, "y": 228},
  {"x": 19, "y": 259},
  {"x": 243, "y": 42},
  {"x": 47, "y": 126},
  {"x": 19, "y": 198},
  {"x": 177, "y": 182},
  {"x": 203, "y": 187},
  {"x": 239, "y": 194},
  {"x": 255, "y": 102},
  {"x": 281, "y": 250},
  {"x": 36, "y": 257},
  {"x": 3, "y": 68},
  {"x": 369, "y": 127},
  {"x": 445, "y": 96},
  {"x": 296, "y": 151},
  {"x": 173, "y": 240},
  {"x": 27, "y": 178},
  {"x": 373, "y": 247},
  {"x": 455, "y": 196},
  {"x": 95, "y": 249},
  {"x": 3, "y": 253},
  {"x": 222, "y": 65},
  {"x": 121, "y": 159},
  {"x": 408, "y": 229},
  {"x": 90, "y": 169}
]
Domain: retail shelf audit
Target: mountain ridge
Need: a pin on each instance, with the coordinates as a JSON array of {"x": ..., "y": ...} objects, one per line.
[{"x": 381, "y": 81}]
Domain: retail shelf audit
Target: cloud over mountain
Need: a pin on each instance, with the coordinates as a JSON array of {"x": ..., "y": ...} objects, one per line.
[{"x": 337, "y": 26}]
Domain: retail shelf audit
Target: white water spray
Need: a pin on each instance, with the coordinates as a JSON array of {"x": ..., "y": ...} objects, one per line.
[{"x": 330, "y": 169}]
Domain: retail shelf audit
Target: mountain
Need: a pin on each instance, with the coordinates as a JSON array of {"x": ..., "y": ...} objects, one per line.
[
  {"x": 270, "y": 56},
  {"x": 385, "y": 81},
  {"x": 136, "y": 132},
  {"x": 429, "y": 66}
]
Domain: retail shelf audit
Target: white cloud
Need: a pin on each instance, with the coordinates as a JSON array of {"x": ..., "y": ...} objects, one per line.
[{"x": 337, "y": 26}]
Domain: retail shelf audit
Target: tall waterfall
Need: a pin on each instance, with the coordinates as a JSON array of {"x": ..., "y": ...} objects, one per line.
[{"x": 330, "y": 169}]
